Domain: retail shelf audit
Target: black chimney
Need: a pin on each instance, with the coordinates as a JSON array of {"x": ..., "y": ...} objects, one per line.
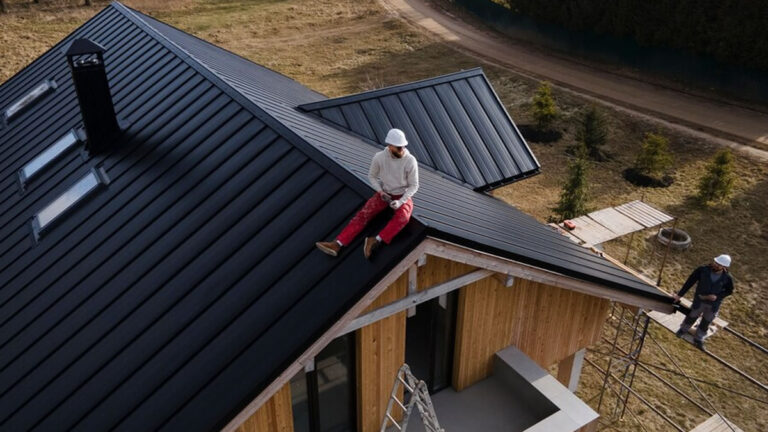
[{"x": 86, "y": 61}]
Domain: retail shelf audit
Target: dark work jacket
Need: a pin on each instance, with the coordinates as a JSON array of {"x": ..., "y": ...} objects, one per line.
[{"x": 722, "y": 287}]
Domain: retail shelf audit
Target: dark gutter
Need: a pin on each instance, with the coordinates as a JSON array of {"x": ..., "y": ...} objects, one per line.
[{"x": 509, "y": 180}]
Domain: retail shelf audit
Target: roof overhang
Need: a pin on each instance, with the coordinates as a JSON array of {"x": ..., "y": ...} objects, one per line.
[{"x": 455, "y": 252}]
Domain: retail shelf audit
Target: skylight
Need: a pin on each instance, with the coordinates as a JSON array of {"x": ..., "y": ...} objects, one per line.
[
  {"x": 31, "y": 97},
  {"x": 49, "y": 155},
  {"x": 66, "y": 201}
]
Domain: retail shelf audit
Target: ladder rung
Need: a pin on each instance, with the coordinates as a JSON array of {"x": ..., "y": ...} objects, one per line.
[
  {"x": 400, "y": 404},
  {"x": 406, "y": 385},
  {"x": 394, "y": 422}
]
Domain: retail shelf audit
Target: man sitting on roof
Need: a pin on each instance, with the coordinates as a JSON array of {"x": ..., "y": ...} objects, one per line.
[
  {"x": 394, "y": 174},
  {"x": 713, "y": 285}
]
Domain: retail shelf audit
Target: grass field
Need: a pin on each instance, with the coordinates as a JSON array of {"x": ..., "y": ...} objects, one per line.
[{"x": 345, "y": 46}]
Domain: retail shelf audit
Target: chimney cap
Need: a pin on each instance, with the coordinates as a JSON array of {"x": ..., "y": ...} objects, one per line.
[{"x": 84, "y": 46}]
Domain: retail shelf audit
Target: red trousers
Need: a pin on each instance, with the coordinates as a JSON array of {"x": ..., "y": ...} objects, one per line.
[{"x": 372, "y": 207}]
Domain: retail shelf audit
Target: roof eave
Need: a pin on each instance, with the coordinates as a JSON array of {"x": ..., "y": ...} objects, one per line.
[{"x": 555, "y": 274}]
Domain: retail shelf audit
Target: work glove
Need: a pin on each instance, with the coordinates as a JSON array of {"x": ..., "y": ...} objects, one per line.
[
  {"x": 396, "y": 204},
  {"x": 385, "y": 196}
]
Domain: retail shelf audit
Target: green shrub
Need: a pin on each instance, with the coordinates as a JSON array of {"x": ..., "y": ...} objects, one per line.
[
  {"x": 544, "y": 110},
  {"x": 654, "y": 158},
  {"x": 717, "y": 183},
  {"x": 593, "y": 134},
  {"x": 574, "y": 196}
]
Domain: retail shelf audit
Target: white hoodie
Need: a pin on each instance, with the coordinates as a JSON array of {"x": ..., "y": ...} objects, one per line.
[{"x": 395, "y": 176}]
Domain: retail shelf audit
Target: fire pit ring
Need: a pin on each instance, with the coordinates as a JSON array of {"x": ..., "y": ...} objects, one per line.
[{"x": 679, "y": 239}]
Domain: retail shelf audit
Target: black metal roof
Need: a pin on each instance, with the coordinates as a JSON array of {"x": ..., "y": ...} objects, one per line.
[
  {"x": 175, "y": 294},
  {"x": 192, "y": 278},
  {"x": 450, "y": 210},
  {"x": 454, "y": 123}
]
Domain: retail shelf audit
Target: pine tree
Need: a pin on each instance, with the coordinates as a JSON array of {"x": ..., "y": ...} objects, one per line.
[
  {"x": 654, "y": 158},
  {"x": 717, "y": 183},
  {"x": 543, "y": 110},
  {"x": 593, "y": 133},
  {"x": 573, "y": 197}
]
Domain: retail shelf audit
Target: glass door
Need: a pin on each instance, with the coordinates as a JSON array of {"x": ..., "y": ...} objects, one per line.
[
  {"x": 429, "y": 341},
  {"x": 324, "y": 399}
]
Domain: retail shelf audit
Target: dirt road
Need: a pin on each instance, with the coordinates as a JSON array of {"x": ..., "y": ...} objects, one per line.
[{"x": 740, "y": 128}]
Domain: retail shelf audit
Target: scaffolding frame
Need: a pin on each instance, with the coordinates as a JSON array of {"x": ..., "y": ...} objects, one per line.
[{"x": 623, "y": 356}]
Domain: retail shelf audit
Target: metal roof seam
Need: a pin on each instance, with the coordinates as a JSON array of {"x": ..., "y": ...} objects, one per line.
[{"x": 212, "y": 76}]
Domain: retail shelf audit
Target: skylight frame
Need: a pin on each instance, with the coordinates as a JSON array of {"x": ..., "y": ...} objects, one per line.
[
  {"x": 50, "y": 155},
  {"x": 83, "y": 188},
  {"x": 32, "y": 97}
]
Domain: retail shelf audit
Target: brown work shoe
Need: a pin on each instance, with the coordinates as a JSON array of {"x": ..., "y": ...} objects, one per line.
[
  {"x": 332, "y": 248},
  {"x": 370, "y": 245}
]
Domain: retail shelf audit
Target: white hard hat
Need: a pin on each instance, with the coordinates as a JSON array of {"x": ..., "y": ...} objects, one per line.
[
  {"x": 723, "y": 260},
  {"x": 396, "y": 137}
]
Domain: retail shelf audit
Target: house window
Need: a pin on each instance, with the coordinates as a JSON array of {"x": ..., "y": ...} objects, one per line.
[
  {"x": 324, "y": 399},
  {"x": 29, "y": 99},
  {"x": 48, "y": 155},
  {"x": 75, "y": 194}
]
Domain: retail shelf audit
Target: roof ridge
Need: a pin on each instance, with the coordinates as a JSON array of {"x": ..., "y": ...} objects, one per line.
[
  {"x": 346, "y": 176},
  {"x": 393, "y": 89}
]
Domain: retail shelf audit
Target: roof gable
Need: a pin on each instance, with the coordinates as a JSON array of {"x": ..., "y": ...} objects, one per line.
[{"x": 454, "y": 123}]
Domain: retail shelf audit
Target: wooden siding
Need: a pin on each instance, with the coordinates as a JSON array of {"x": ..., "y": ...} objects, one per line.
[
  {"x": 438, "y": 270},
  {"x": 276, "y": 415},
  {"x": 545, "y": 322},
  {"x": 484, "y": 325},
  {"x": 380, "y": 351}
]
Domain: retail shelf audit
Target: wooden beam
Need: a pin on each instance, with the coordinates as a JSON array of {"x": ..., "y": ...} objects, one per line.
[
  {"x": 417, "y": 298},
  {"x": 505, "y": 279},
  {"x": 569, "y": 370},
  {"x": 412, "y": 286},
  {"x": 484, "y": 260},
  {"x": 309, "y": 366},
  {"x": 332, "y": 333},
  {"x": 423, "y": 260}
]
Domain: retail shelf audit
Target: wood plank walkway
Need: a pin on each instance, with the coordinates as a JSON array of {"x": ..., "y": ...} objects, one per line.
[
  {"x": 609, "y": 223},
  {"x": 672, "y": 321},
  {"x": 716, "y": 424}
]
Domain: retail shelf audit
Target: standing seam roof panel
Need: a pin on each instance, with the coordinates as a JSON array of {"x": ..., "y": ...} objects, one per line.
[
  {"x": 477, "y": 148},
  {"x": 117, "y": 269},
  {"x": 495, "y": 110},
  {"x": 34, "y": 187},
  {"x": 484, "y": 128},
  {"x": 77, "y": 300},
  {"x": 400, "y": 119},
  {"x": 444, "y": 160},
  {"x": 450, "y": 136},
  {"x": 498, "y": 151}
]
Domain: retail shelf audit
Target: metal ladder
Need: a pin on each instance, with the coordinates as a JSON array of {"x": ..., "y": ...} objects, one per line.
[{"x": 419, "y": 397}]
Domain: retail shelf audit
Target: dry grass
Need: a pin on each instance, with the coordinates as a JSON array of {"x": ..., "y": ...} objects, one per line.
[{"x": 344, "y": 46}]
